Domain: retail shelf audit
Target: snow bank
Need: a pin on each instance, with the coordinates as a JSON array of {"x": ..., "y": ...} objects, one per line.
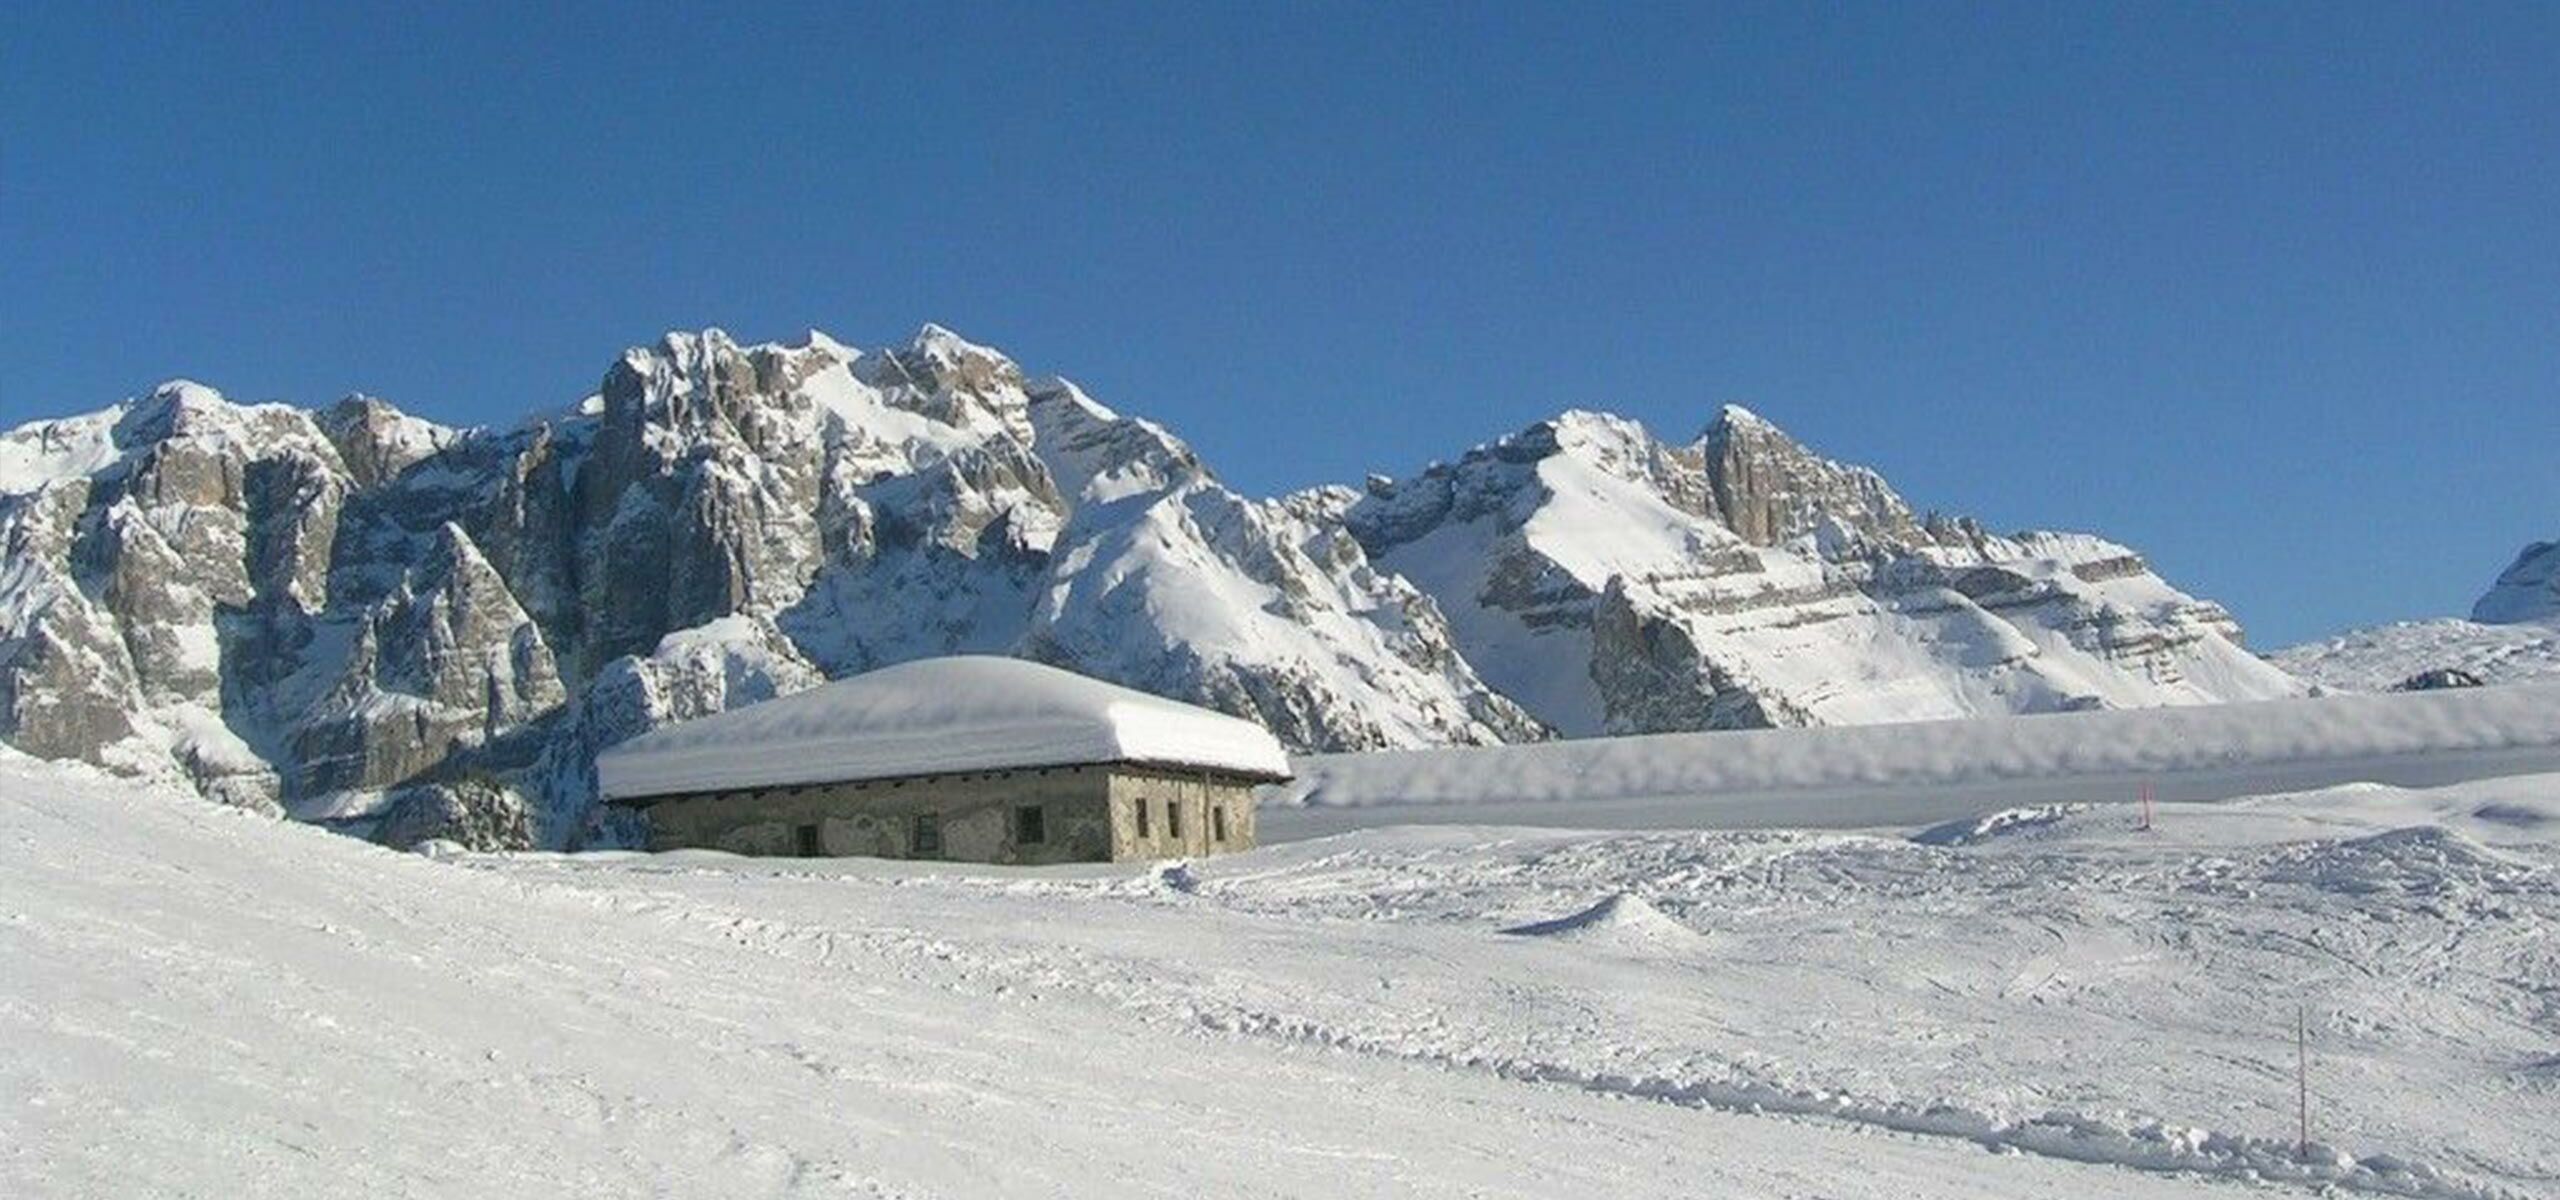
[
  {"x": 940, "y": 715},
  {"x": 2234, "y": 738}
]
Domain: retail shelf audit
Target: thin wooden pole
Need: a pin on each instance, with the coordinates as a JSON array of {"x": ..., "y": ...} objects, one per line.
[{"x": 2302, "y": 1081}]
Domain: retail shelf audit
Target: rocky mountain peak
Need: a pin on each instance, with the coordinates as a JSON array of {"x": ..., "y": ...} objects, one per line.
[
  {"x": 937, "y": 360},
  {"x": 1589, "y": 431},
  {"x": 685, "y": 380},
  {"x": 1732, "y": 417},
  {"x": 177, "y": 408},
  {"x": 183, "y": 409},
  {"x": 1771, "y": 489}
]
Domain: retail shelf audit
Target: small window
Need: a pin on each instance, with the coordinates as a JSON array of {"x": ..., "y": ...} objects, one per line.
[
  {"x": 927, "y": 836},
  {"x": 1030, "y": 825},
  {"x": 808, "y": 839},
  {"x": 1218, "y": 822},
  {"x": 1172, "y": 819},
  {"x": 1143, "y": 830}
]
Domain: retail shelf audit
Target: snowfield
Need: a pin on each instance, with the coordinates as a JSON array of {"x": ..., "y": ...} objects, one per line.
[
  {"x": 2373, "y": 660},
  {"x": 2046, "y": 1002}
]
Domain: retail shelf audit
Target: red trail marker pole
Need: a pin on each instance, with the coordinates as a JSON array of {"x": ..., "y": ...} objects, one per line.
[{"x": 2145, "y": 826}]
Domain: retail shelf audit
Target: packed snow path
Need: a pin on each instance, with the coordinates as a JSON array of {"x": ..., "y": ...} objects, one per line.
[{"x": 200, "y": 1002}]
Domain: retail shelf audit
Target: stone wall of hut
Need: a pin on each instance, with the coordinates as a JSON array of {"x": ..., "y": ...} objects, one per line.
[{"x": 1027, "y": 815}]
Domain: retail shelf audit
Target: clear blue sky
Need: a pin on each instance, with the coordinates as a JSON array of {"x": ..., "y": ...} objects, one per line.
[{"x": 2270, "y": 292}]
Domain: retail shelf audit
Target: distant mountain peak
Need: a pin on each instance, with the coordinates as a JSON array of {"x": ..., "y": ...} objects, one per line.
[
  {"x": 931, "y": 338},
  {"x": 2528, "y": 590},
  {"x": 1732, "y": 417}
]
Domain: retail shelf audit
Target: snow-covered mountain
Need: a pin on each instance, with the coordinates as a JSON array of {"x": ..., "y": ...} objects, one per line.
[
  {"x": 2513, "y": 636},
  {"x": 362, "y": 616},
  {"x": 2528, "y": 590},
  {"x": 1612, "y": 582}
]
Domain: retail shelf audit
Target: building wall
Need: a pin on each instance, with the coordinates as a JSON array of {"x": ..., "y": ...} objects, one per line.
[
  {"x": 976, "y": 813},
  {"x": 1090, "y": 814},
  {"x": 1197, "y": 797}
]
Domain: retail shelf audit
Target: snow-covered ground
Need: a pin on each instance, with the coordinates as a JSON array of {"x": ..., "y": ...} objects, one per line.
[
  {"x": 202, "y": 1002},
  {"x": 2371, "y": 660}
]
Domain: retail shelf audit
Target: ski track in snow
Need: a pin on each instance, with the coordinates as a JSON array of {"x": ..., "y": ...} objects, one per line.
[{"x": 206, "y": 1003}]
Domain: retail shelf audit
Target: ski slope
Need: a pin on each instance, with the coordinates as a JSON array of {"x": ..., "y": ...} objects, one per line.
[{"x": 202, "y": 1002}]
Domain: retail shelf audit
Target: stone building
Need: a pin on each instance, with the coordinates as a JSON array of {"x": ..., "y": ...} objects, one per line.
[{"x": 970, "y": 758}]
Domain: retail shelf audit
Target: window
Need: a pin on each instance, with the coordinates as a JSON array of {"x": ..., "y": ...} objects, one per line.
[
  {"x": 808, "y": 842},
  {"x": 1030, "y": 825},
  {"x": 1143, "y": 831},
  {"x": 927, "y": 835},
  {"x": 1172, "y": 819},
  {"x": 1218, "y": 822}
]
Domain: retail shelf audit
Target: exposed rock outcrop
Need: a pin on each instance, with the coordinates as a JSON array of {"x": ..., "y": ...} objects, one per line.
[
  {"x": 476, "y": 813},
  {"x": 2438, "y": 679}
]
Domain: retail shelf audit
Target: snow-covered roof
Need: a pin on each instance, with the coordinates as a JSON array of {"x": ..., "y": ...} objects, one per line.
[{"x": 930, "y": 717}]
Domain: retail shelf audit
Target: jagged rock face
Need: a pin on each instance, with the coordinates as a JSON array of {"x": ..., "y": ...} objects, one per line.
[
  {"x": 449, "y": 659},
  {"x": 66, "y": 681},
  {"x": 1771, "y": 490},
  {"x": 66, "y": 678},
  {"x": 1653, "y": 677},
  {"x": 477, "y": 813},
  {"x": 424, "y": 633},
  {"x": 378, "y": 442},
  {"x": 2528, "y": 590}
]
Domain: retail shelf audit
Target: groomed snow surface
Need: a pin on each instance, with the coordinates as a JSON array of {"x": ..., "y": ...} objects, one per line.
[{"x": 2045, "y": 1003}]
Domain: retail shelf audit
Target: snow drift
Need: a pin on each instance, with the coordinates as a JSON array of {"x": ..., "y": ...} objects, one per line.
[
  {"x": 1919, "y": 755},
  {"x": 1623, "y": 920}
]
